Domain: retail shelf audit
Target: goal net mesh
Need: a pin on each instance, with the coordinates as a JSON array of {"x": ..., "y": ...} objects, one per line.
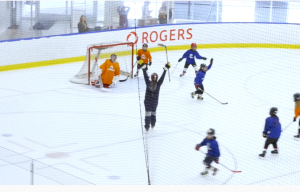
[{"x": 96, "y": 54}]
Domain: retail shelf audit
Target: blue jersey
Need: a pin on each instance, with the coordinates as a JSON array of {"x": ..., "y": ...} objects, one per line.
[
  {"x": 272, "y": 127},
  {"x": 200, "y": 76},
  {"x": 190, "y": 56},
  {"x": 212, "y": 146}
]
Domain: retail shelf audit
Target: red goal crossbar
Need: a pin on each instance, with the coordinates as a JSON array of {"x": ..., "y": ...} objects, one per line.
[{"x": 131, "y": 44}]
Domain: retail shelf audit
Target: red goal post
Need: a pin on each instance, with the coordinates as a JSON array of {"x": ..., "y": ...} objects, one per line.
[
  {"x": 95, "y": 52},
  {"x": 129, "y": 44}
]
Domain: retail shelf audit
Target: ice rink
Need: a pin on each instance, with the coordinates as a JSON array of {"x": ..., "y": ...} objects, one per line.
[{"x": 97, "y": 136}]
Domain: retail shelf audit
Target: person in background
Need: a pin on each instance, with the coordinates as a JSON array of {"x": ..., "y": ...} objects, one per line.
[
  {"x": 82, "y": 25},
  {"x": 162, "y": 14},
  {"x": 145, "y": 10},
  {"x": 123, "y": 12}
]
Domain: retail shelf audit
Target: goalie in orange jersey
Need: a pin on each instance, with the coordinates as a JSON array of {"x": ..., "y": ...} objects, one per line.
[
  {"x": 297, "y": 111},
  {"x": 145, "y": 56},
  {"x": 108, "y": 73}
]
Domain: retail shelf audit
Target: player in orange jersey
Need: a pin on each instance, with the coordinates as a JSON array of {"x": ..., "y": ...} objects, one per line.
[
  {"x": 297, "y": 111},
  {"x": 108, "y": 73},
  {"x": 145, "y": 56}
]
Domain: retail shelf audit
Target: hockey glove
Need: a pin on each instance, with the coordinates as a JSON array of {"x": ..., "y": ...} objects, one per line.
[
  {"x": 265, "y": 135},
  {"x": 167, "y": 66},
  {"x": 211, "y": 61},
  {"x": 294, "y": 119},
  {"x": 204, "y": 58},
  {"x": 116, "y": 80},
  {"x": 217, "y": 160},
  {"x": 179, "y": 60},
  {"x": 138, "y": 58},
  {"x": 150, "y": 63},
  {"x": 197, "y": 147}
]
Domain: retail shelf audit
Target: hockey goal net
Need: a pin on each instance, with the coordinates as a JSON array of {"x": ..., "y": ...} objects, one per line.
[{"x": 96, "y": 54}]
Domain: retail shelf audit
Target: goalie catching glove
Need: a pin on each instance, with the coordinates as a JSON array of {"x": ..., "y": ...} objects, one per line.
[{"x": 167, "y": 66}]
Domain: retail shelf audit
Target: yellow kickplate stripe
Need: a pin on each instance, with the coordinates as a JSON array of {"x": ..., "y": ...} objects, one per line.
[{"x": 155, "y": 49}]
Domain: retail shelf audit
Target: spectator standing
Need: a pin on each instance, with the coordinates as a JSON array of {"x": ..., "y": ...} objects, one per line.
[
  {"x": 123, "y": 13},
  {"x": 162, "y": 15}
]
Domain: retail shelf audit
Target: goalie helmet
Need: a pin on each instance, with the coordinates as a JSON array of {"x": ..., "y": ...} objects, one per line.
[
  {"x": 211, "y": 131},
  {"x": 297, "y": 97},
  {"x": 273, "y": 111},
  {"x": 113, "y": 55},
  {"x": 154, "y": 77}
]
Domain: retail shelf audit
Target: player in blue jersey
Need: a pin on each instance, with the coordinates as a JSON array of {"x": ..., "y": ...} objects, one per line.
[
  {"x": 190, "y": 58},
  {"x": 213, "y": 152},
  {"x": 271, "y": 132},
  {"x": 198, "y": 82}
]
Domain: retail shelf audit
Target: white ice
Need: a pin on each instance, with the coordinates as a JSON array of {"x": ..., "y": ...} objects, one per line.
[{"x": 101, "y": 133}]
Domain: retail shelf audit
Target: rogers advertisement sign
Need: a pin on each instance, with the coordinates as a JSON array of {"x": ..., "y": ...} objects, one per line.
[{"x": 164, "y": 35}]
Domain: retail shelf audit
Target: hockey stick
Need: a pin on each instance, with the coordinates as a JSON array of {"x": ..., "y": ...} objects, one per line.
[
  {"x": 229, "y": 169},
  {"x": 213, "y": 97},
  {"x": 162, "y": 45},
  {"x": 224, "y": 165},
  {"x": 175, "y": 67},
  {"x": 123, "y": 80},
  {"x": 287, "y": 126}
]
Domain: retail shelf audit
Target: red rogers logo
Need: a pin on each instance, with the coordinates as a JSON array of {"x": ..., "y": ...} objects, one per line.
[
  {"x": 135, "y": 35},
  {"x": 164, "y": 35}
]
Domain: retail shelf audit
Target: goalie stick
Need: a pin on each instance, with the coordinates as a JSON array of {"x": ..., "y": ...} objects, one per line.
[
  {"x": 162, "y": 45},
  {"x": 213, "y": 97}
]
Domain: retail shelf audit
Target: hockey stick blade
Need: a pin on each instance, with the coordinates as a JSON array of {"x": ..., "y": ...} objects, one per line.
[
  {"x": 161, "y": 45},
  {"x": 123, "y": 80},
  {"x": 230, "y": 169}
]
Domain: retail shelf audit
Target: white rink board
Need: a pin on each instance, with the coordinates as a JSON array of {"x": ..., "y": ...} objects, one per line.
[{"x": 67, "y": 46}]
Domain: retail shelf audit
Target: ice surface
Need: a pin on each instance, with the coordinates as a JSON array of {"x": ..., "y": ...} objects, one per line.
[{"x": 102, "y": 135}]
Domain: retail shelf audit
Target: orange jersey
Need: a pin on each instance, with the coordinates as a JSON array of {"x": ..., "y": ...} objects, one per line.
[
  {"x": 109, "y": 70},
  {"x": 145, "y": 56},
  {"x": 297, "y": 109}
]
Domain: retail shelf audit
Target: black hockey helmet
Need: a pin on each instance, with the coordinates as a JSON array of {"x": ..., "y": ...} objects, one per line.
[
  {"x": 273, "y": 111},
  {"x": 202, "y": 66},
  {"x": 145, "y": 45},
  {"x": 154, "y": 77},
  {"x": 296, "y": 97},
  {"x": 211, "y": 131}
]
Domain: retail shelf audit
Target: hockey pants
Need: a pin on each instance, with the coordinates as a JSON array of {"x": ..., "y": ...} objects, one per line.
[
  {"x": 150, "y": 107},
  {"x": 272, "y": 141}
]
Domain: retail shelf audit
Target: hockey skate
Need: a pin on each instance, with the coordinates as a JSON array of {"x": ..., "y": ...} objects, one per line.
[
  {"x": 215, "y": 170},
  {"x": 152, "y": 125},
  {"x": 204, "y": 172},
  {"x": 263, "y": 154},
  {"x": 136, "y": 74},
  {"x": 274, "y": 152},
  {"x": 97, "y": 84},
  {"x": 296, "y": 137},
  {"x": 200, "y": 97},
  {"x": 147, "y": 127},
  {"x": 192, "y": 95},
  {"x": 182, "y": 74}
]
